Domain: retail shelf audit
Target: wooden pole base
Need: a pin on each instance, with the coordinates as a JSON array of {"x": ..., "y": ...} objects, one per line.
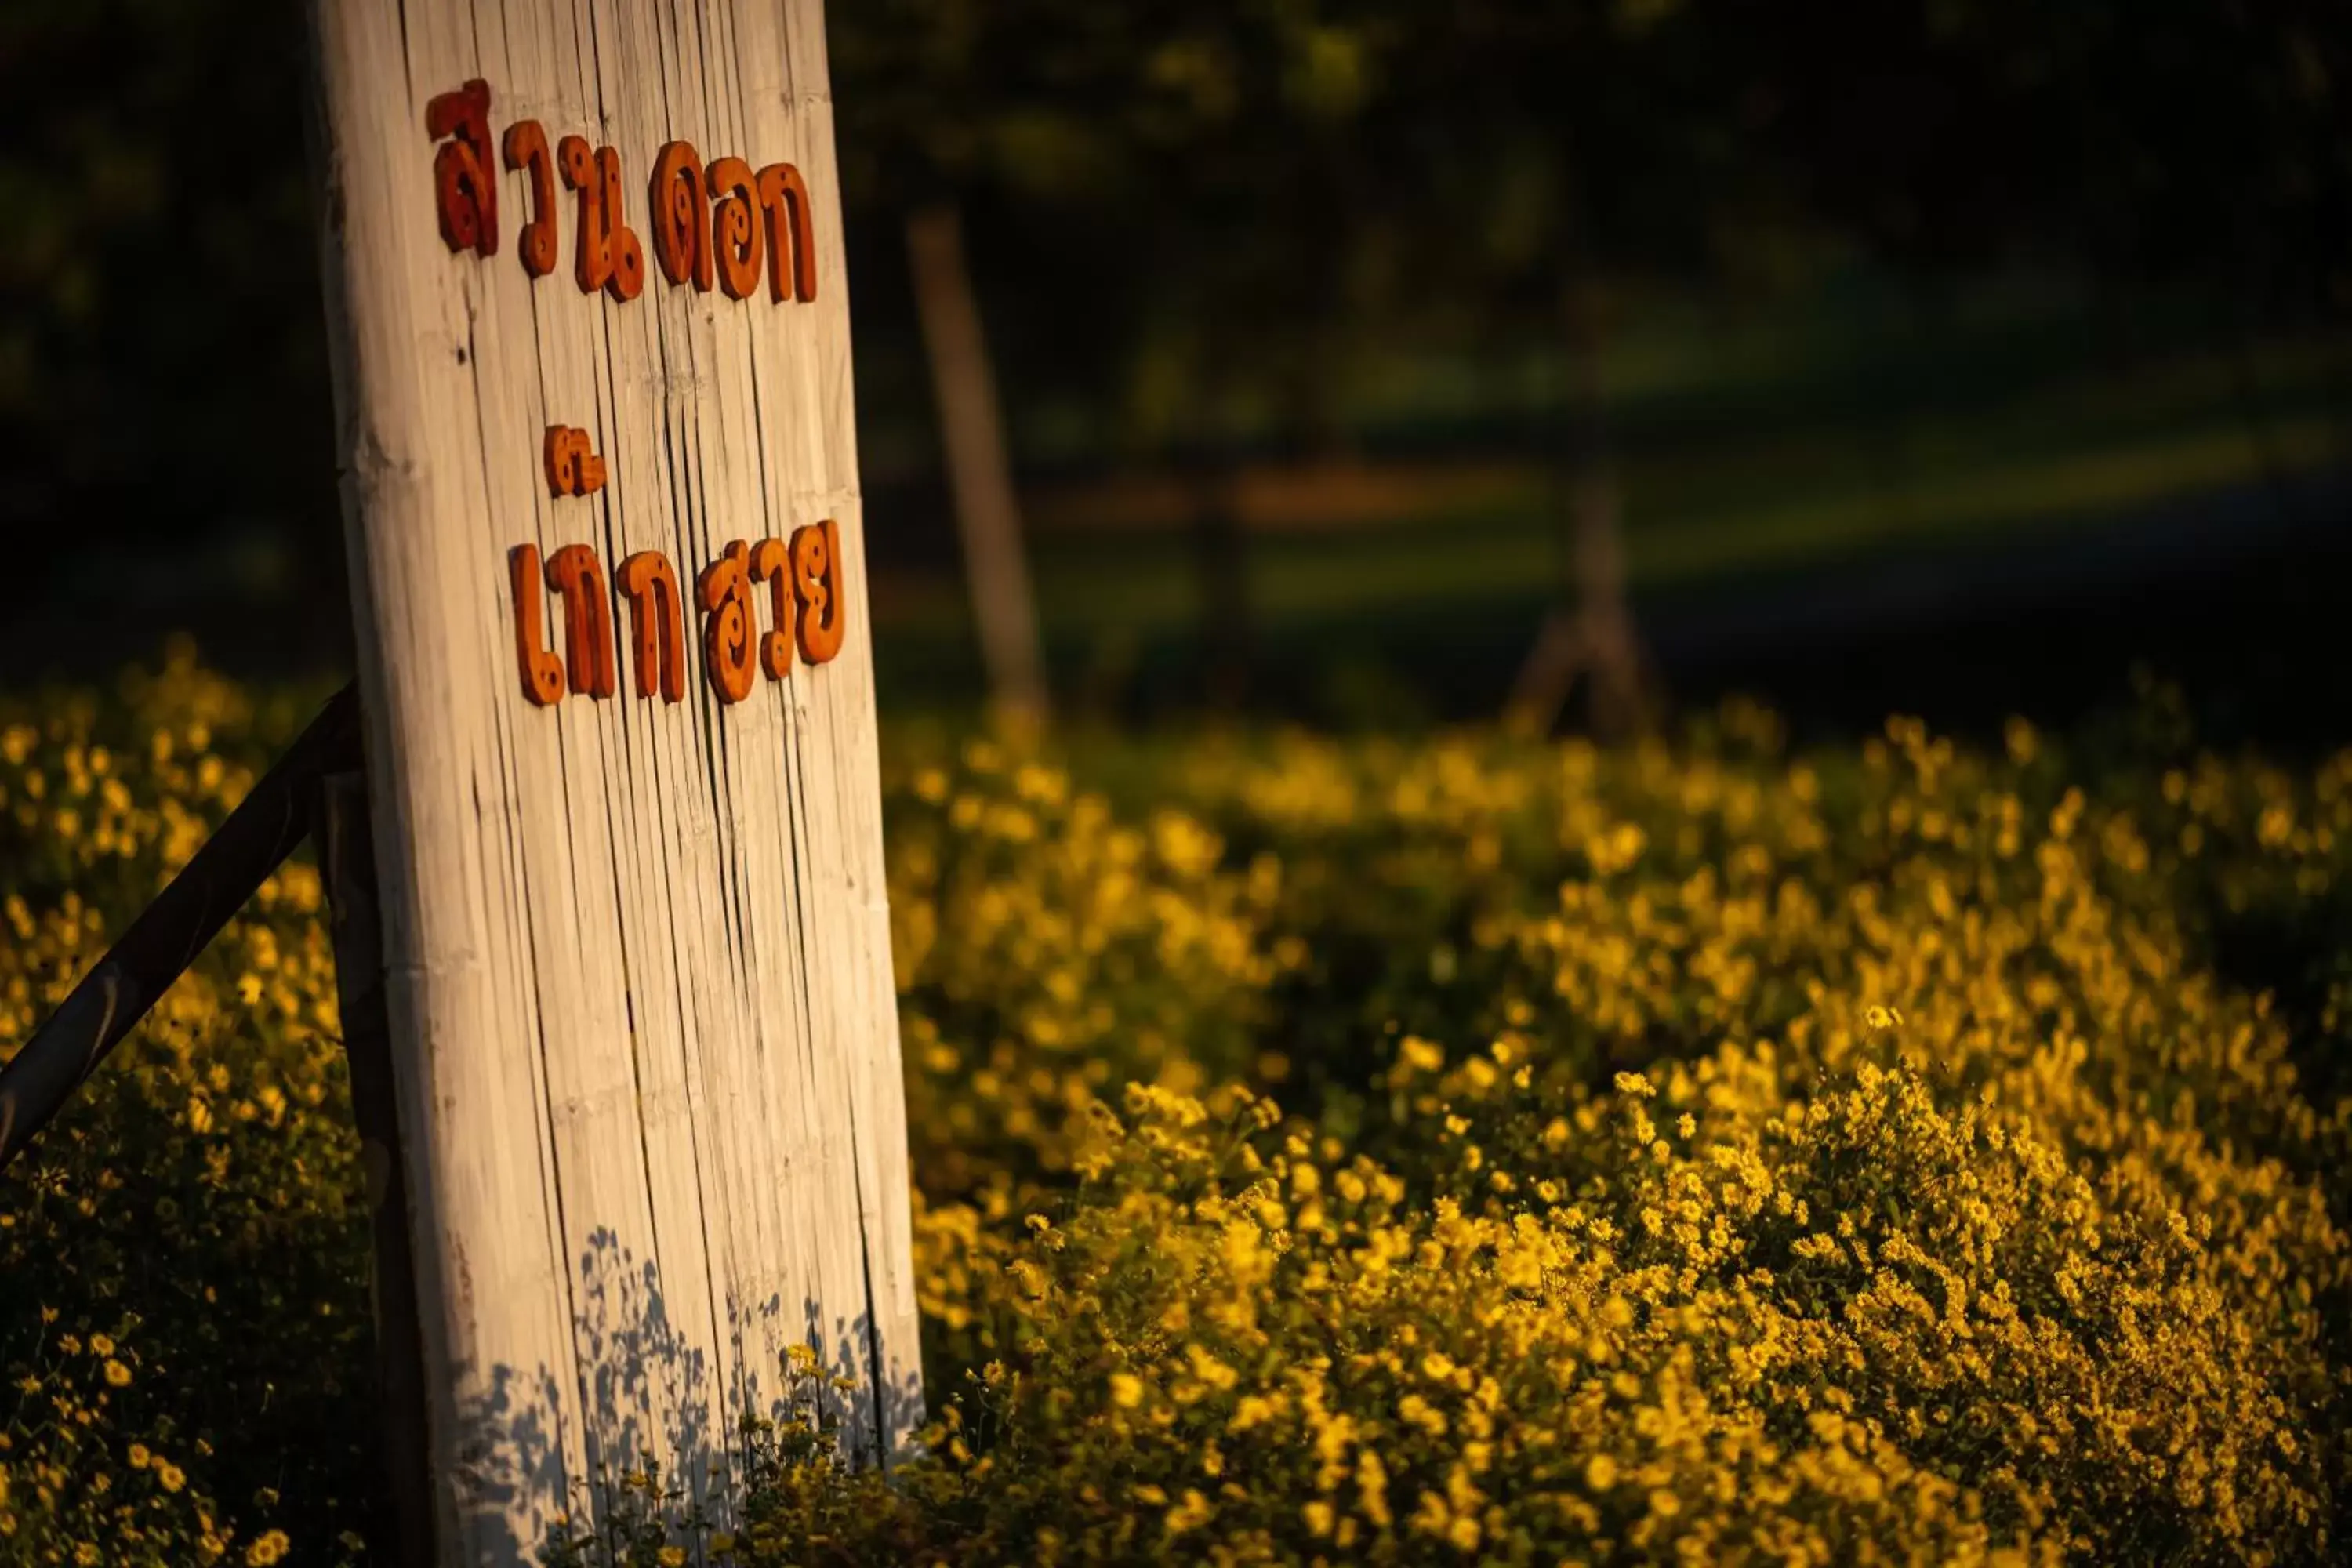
[{"x": 347, "y": 865}]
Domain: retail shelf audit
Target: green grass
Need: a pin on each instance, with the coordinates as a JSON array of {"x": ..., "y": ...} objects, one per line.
[{"x": 1765, "y": 495}]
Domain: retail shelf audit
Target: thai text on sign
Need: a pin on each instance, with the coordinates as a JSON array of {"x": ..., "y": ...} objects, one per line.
[{"x": 719, "y": 224}]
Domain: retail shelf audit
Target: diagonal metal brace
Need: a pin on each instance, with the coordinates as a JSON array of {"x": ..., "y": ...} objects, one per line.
[{"x": 169, "y": 934}]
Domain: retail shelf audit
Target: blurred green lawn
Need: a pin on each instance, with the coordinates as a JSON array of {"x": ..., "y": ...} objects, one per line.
[{"x": 1733, "y": 466}]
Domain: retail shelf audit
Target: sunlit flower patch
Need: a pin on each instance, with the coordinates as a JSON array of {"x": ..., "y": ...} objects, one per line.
[{"x": 1350, "y": 1152}]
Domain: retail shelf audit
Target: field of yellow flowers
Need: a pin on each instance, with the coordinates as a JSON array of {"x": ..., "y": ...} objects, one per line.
[{"x": 1456, "y": 1150}]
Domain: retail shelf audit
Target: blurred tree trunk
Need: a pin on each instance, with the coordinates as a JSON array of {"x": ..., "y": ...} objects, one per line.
[
  {"x": 1220, "y": 559},
  {"x": 1592, "y": 634},
  {"x": 980, "y": 472},
  {"x": 2247, "y": 317}
]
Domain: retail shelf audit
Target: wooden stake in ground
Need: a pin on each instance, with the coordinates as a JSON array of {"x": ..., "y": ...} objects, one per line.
[
  {"x": 980, "y": 474},
  {"x": 1594, "y": 635},
  {"x": 592, "y": 383}
]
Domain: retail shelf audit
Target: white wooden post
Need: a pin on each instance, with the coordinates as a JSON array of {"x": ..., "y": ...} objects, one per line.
[{"x": 644, "y": 1036}]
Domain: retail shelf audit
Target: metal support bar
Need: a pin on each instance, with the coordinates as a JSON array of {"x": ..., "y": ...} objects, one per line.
[{"x": 170, "y": 932}]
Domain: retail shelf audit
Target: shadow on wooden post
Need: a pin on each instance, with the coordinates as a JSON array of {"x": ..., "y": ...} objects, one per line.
[{"x": 347, "y": 866}]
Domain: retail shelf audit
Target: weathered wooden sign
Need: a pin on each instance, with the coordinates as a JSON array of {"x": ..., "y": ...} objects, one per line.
[{"x": 585, "y": 272}]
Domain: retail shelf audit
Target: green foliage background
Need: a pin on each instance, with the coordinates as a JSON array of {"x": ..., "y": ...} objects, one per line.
[{"x": 1202, "y": 235}]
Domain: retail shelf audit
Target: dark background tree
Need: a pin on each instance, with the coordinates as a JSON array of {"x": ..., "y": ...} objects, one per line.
[
  {"x": 163, "y": 428},
  {"x": 1202, "y": 241}
]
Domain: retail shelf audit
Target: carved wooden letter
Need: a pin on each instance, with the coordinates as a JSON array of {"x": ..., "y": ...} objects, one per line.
[
  {"x": 649, "y": 583},
  {"x": 526, "y": 148},
  {"x": 592, "y": 259},
  {"x": 463, "y": 188},
  {"x": 572, "y": 468},
  {"x": 573, "y": 571},
  {"x": 542, "y": 672},
  {"x": 816, "y": 580},
  {"x": 724, "y": 592},
  {"x": 772, "y": 564},
  {"x": 629, "y": 279},
  {"x": 735, "y": 226},
  {"x": 784, "y": 197},
  {"x": 681, "y": 240},
  {"x": 610, "y": 256}
]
